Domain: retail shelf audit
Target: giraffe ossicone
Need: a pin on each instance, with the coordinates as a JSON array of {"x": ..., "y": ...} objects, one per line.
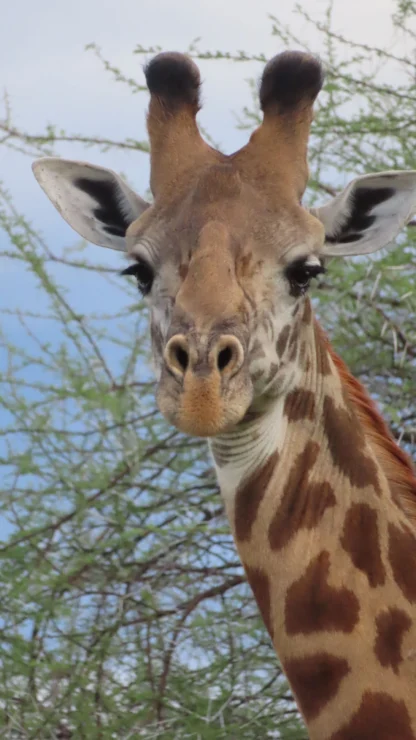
[{"x": 321, "y": 500}]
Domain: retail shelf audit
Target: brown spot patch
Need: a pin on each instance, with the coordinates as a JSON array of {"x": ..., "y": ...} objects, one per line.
[
  {"x": 247, "y": 265},
  {"x": 360, "y": 539},
  {"x": 402, "y": 556},
  {"x": 294, "y": 344},
  {"x": 302, "y": 355},
  {"x": 313, "y": 606},
  {"x": 281, "y": 343},
  {"x": 307, "y": 312},
  {"x": 252, "y": 415},
  {"x": 346, "y": 442},
  {"x": 249, "y": 497},
  {"x": 379, "y": 718},
  {"x": 260, "y": 586},
  {"x": 294, "y": 337},
  {"x": 395, "y": 463},
  {"x": 323, "y": 366},
  {"x": 315, "y": 681},
  {"x": 299, "y": 405},
  {"x": 303, "y": 504},
  {"x": 391, "y": 626}
]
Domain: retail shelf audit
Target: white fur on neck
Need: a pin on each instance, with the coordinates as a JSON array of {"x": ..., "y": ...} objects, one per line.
[{"x": 250, "y": 446}]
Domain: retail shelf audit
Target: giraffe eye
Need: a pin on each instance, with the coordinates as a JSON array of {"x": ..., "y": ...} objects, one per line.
[
  {"x": 300, "y": 273},
  {"x": 143, "y": 274}
]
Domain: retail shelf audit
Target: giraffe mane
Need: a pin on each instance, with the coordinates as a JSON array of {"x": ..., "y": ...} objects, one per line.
[{"x": 396, "y": 464}]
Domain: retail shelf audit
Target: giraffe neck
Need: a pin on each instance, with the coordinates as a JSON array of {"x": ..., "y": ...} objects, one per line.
[{"x": 330, "y": 554}]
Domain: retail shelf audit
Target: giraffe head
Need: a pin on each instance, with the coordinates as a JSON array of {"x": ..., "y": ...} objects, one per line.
[{"x": 226, "y": 252}]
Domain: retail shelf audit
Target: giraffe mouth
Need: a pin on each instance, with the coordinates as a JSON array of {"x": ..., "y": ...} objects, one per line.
[{"x": 205, "y": 406}]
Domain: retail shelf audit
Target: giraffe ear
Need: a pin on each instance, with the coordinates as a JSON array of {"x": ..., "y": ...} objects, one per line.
[
  {"x": 368, "y": 214},
  {"x": 95, "y": 201}
]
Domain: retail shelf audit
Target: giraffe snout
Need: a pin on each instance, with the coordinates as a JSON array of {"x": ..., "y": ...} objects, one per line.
[{"x": 205, "y": 387}]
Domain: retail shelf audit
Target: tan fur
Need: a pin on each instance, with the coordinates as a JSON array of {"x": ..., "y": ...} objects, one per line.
[
  {"x": 218, "y": 295},
  {"x": 177, "y": 151},
  {"x": 276, "y": 156},
  {"x": 322, "y": 601},
  {"x": 398, "y": 467}
]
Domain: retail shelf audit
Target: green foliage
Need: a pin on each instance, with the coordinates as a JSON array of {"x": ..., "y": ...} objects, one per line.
[{"x": 125, "y": 613}]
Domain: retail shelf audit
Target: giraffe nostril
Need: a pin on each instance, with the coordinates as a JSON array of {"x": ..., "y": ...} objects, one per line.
[
  {"x": 182, "y": 357},
  {"x": 229, "y": 355},
  {"x": 177, "y": 355},
  {"x": 224, "y": 358}
]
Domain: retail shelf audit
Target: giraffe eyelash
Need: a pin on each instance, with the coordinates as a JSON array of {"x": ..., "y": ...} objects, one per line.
[
  {"x": 143, "y": 273},
  {"x": 300, "y": 273}
]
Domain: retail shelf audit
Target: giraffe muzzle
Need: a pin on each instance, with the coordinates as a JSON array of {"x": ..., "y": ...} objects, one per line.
[{"x": 205, "y": 387}]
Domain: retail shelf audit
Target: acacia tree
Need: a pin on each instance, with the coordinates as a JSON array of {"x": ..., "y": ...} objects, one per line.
[{"x": 125, "y": 613}]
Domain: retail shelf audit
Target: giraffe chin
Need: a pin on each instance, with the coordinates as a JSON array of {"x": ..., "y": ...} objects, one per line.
[{"x": 202, "y": 408}]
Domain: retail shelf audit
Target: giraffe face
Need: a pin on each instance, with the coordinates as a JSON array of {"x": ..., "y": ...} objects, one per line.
[
  {"x": 226, "y": 252},
  {"x": 225, "y": 281}
]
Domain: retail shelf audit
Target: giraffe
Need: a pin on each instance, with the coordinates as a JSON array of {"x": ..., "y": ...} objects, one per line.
[{"x": 320, "y": 499}]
